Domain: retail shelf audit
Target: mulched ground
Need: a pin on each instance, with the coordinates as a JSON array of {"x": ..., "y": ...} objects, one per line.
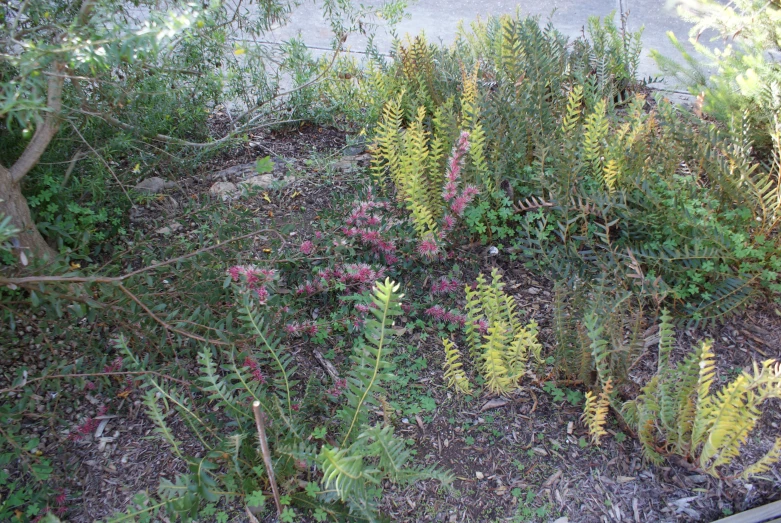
[{"x": 523, "y": 454}]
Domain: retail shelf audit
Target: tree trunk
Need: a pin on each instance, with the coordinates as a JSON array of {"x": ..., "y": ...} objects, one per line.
[{"x": 14, "y": 204}]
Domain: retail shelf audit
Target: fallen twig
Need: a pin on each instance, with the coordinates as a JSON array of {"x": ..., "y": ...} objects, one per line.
[{"x": 259, "y": 423}]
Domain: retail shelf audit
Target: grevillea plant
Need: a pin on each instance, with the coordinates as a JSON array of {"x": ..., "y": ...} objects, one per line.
[
  {"x": 330, "y": 472},
  {"x": 410, "y": 159}
]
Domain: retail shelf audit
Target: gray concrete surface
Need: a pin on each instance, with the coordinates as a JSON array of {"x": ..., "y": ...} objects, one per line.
[{"x": 439, "y": 20}]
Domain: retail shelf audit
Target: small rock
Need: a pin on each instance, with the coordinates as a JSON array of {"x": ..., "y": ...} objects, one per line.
[
  {"x": 405, "y": 421},
  {"x": 354, "y": 150},
  {"x": 223, "y": 189},
  {"x": 169, "y": 229},
  {"x": 479, "y": 475},
  {"x": 267, "y": 181},
  {"x": 348, "y": 163},
  {"x": 533, "y": 290},
  {"x": 492, "y": 251},
  {"x": 154, "y": 185}
]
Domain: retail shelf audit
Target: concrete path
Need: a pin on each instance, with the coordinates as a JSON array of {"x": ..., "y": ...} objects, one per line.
[{"x": 439, "y": 20}]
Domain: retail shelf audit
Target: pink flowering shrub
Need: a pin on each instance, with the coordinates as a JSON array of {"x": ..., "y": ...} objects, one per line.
[
  {"x": 456, "y": 199},
  {"x": 445, "y": 286},
  {"x": 257, "y": 375},
  {"x": 364, "y": 224},
  {"x": 254, "y": 279},
  {"x": 307, "y": 248}
]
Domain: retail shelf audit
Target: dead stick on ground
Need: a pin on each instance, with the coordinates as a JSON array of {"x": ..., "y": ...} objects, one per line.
[{"x": 266, "y": 453}]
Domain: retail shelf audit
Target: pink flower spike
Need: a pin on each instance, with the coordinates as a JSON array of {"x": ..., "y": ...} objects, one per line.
[
  {"x": 307, "y": 248},
  {"x": 428, "y": 248}
]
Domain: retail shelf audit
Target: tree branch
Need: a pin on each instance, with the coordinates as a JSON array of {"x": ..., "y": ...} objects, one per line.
[{"x": 45, "y": 132}]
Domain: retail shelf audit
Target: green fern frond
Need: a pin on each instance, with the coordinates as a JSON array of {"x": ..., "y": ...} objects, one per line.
[
  {"x": 370, "y": 359},
  {"x": 281, "y": 361},
  {"x": 158, "y": 418},
  {"x": 345, "y": 472}
]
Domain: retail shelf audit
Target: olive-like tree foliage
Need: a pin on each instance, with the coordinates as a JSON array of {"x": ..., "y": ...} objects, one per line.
[
  {"x": 740, "y": 41},
  {"x": 75, "y": 75}
]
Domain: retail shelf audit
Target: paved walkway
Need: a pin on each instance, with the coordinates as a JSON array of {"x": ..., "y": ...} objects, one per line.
[{"x": 439, "y": 20}]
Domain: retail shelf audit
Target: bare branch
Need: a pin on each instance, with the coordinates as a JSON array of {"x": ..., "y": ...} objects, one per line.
[
  {"x": 300, "y": 87},
  {"x": 104, "y": 163}
]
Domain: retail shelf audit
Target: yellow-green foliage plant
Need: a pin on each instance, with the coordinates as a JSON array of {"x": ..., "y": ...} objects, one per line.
[
  {"x": 596, "y": 410},
  {"x": 454, "y": 374},
  {"x": 678, "y": 413},
  {"x": 500, "y": 345}
]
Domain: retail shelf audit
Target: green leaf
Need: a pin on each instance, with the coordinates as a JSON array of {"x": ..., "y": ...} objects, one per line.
[
  {"x": 312, "y": 489},
  {"x": 288, "y": 515},
  {"x": 264, "y": 165},
  {"x": 256, "y": 499}
]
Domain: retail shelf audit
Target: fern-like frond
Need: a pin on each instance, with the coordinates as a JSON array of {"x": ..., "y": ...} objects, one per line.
[
  {"x": 594, "y": 134},
  {"x": 155, "y": 413},
  {"x": 523, "y": 346},
  {"x": 595, "y": 412},
  {"x": 280, "y": 360},
  {"x": 370, "y": 359},
  {"x": 345, "y": 472},
  {"x": 572, "y": 115},
  {"x": 385, "y": 157},
  {"x": 494, "y": 367},
  {"x": 764, "y": 463},
  {"x": 705, "y": 381},
  {"x": 454, "y": 374}
]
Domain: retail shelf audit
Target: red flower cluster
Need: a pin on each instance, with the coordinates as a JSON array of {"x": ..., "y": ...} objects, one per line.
[
  {"x": 363, "y": 224},
  {"x": 359, "y": 276},
  {"x": 458, "y": 202},
  {"x": 439, "y": 313},
  {"x": 89, "y": 426},
  {"x": 307, "y": 248},
  {"x": 114, "y": 366},
  {"x": 253, "y": 366},
  {"x": 338, "y": 389},
  {"x": 255, "y": 279},
  {"x": 296, "y": 329},
  {"x": 445, "y": 286},
  {"x": 428, "y": 247}
]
